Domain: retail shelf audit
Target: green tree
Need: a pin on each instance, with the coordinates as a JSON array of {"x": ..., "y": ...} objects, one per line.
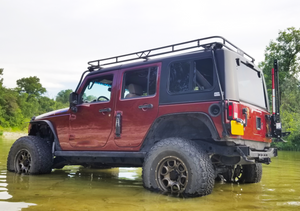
[
  {"x": 12, "y": 116},
  {"x": 1, "y": 79},
  {"x": 1, "y": 98},
  {"x": 46, "y": 105},
  {"x": 30, "y": 100},
  {"x": 286, "y": 49},
  {"x": 63, "y": 96},
  {"x": 29, "y": 105},
  {"x": 17, "y": 106},
  {"x": 31, "y": 86}
]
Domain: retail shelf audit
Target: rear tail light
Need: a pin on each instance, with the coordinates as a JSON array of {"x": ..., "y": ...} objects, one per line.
[
  {"x": 236, "y": 124},
  {"x": 232, "y": 111}
]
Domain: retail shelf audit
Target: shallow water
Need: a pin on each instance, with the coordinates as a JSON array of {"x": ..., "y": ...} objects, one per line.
[{"x": 77, "y": 188}]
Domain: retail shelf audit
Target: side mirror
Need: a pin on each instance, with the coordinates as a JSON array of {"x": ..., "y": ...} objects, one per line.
[{"x": 73, "y": 99}]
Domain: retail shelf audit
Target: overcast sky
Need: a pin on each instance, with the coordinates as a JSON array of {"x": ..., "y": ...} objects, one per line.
[{"x": 54, "y": 40}]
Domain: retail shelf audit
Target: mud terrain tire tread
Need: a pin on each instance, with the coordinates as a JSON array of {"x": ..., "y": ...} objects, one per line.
[
  {"x": 41, "y": 156},
  {"x": 201, "y": 173},
  {"x": 252, "y": 173}
]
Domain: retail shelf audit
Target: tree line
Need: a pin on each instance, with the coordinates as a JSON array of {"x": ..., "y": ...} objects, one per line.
[
  {"x": 286, "y": 50},
  {"x": 19, "y": 104}
]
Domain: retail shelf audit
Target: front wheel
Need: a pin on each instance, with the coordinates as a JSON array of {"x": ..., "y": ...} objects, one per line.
[
  {"x": 30, "y": 155},
  {"x": 176, "y": 165}
]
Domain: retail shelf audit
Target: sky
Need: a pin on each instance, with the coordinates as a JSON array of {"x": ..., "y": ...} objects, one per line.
[{"x": 54, "y": 40}]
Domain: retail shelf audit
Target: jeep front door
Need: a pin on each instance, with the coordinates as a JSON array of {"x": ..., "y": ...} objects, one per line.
[{"x": 92, "y": 124}]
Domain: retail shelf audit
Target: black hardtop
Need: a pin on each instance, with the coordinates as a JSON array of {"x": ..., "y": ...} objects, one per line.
[
  {"x": 165, "y": 52},
  {"x": 224, "y": 50}
]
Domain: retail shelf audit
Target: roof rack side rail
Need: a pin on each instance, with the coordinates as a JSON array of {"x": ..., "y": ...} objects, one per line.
[
  {"x": 205, "y": 43},
  {"x": 238, "y": 50}
]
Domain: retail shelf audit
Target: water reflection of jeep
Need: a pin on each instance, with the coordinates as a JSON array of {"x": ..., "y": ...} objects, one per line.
[{"x": 187, "y": 113}]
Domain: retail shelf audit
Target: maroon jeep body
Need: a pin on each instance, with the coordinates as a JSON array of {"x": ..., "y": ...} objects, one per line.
[{"x": 187, "y": 113}]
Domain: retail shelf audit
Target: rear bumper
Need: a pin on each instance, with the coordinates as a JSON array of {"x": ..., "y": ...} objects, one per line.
[
  {"x": 260, "y": 156},
  {"x": 268, "y": 153},
  {"x": 238, "y": 154}
]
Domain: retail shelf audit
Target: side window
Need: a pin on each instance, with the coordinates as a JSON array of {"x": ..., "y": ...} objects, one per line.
[
  {"x": 97, "y": 90},
  {"x": 191, "y": 76},
  {"x": 139, "y": 83}
]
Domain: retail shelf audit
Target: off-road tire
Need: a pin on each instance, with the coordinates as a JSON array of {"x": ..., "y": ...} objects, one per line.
[
  {"x": 193, "y": 160},
  {"x": 251, "y": 173},
  {"x": 30, "y": 155}
]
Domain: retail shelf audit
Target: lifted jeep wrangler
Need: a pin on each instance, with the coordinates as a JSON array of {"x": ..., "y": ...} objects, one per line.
[{"x": 187, "y": 113}]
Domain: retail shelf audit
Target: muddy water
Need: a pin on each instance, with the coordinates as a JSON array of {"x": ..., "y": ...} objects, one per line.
[{"x": 77, "y": 188}]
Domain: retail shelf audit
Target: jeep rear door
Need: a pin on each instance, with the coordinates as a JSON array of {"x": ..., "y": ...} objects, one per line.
[
  {"x": 247, "y": 101},
  {"x": 253, "y": 102},
  {"x": 137, "y": 104}
]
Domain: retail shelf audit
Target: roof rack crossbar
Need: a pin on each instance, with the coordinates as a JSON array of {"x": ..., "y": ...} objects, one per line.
[{"x": 184, "y": 46}]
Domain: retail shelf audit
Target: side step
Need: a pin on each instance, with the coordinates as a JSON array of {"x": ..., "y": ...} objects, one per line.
[{"x": 100, "y": 154}]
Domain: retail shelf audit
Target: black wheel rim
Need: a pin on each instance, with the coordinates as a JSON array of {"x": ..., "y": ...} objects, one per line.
[
  {"x": 238, "y": 174},
  {"x": 172, "y": 175},
  {"x": 23, "y": 161}
]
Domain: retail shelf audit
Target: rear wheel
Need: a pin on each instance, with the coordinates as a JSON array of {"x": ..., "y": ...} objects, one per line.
[
  {"x": 251, "y": 173},
  {"x": 176, "y": 165},
  {"x": 30, "y": 155}
]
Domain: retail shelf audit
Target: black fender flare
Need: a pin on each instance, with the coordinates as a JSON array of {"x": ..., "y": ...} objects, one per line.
[
  {"x": 151, "y": 137},
  {"x": 50, "y": 125}
]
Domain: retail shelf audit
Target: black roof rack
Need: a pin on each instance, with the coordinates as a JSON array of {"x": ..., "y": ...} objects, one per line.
[{"x": 205, "y": 43}]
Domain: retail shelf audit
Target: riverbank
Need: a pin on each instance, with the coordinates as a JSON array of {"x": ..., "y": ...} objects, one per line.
[{"x": 13, "y": 135}]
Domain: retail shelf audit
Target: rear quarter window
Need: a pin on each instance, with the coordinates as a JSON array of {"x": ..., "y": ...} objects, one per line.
[{"x": 191, "y": 76}]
